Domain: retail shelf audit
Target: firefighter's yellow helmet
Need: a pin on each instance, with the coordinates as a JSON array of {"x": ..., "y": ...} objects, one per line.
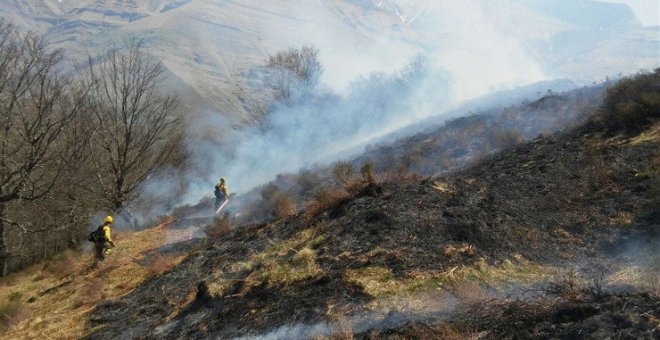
[{"x": 107, "y": 219}]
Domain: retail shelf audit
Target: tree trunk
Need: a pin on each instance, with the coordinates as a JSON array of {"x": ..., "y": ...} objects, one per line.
[{"x": 4, "y": 254}]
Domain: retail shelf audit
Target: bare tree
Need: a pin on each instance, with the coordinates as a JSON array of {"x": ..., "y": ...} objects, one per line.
[
  {"x": 136, "y": 128},
  {"x": 37, "y": 103},
  {"x": 293, "y": 69}
]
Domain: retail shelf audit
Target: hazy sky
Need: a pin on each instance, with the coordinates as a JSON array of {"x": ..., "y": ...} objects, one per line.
[{"x": 648, "y": 11}]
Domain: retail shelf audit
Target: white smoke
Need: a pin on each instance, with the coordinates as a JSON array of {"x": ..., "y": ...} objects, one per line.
[
  {"x": 469, "y": 57},
  {"x": 472, "y": 48},
  {"x": 394, "y": 313}
]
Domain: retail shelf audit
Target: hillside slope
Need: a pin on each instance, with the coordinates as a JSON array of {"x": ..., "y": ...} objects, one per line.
[
  {"x": 398, "y": 253},
  {"x": 215, "y": 47},
  {"x": 54, "y": 299}
]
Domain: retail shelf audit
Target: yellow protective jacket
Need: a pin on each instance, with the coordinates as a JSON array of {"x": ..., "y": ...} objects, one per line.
[
  {"x": 106, "y": 233},
  {"x": 221, "y": 188}
]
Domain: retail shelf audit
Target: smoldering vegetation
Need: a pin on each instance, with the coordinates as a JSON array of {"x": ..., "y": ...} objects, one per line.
[
  {"x": 302, "y": 122},
  {"x": 444, "y": 149},
  {"x": 532, "y": 241}
]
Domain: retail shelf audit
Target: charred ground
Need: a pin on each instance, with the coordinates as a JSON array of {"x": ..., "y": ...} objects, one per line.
[{"x": 581, "y": 200}]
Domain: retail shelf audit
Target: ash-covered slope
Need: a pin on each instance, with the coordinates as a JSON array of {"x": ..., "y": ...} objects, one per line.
[{"x": 575, "y": 200}]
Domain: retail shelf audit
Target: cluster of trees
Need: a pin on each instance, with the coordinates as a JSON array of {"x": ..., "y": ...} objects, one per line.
[
  {"x": 77, "y": 138},
  {"x": 294, "y": 72}
]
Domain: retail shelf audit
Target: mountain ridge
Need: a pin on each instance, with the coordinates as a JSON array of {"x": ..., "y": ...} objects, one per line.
[{"x": 213, "y": 47}]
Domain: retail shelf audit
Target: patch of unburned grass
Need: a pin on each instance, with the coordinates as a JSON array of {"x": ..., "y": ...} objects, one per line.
[
  {"x": 162, "y": 263},
  {"x": 11, "y": 313},
  {"x": 380, "y": 282},
  {"x": 521, "y": 271},
  {"x": 285, "y": 262},
  {"x": 282, "y": 270},
  {"x": 621, "y": 218},
  {"x": 60, "y": 295},
  {"x": 442, "y": 186},
  {"x": 460, "y": 249},
  {"x": 644, "y": 276},
  {"x": 651, "y": 135}
]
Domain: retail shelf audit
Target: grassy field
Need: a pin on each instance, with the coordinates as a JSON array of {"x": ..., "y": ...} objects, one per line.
[{"x": 52, "y": 300}]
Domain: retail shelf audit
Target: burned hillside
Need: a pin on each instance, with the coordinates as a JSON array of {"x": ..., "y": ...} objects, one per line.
[
  {"x": 439, "y": 149},
  {"x": 583, "y": 202}
]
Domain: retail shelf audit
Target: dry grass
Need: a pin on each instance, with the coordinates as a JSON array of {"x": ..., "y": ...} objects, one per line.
[
  {"x": 620, "y": 219},
  {"x": 285, "y": 262},
  {"x": 284, "y": 207},
  {"x": 651, "y": 135},
  {"x": 455, "y": 250},
  {"x": 284, "y": 270},
  {"x": 61, "y": 265},
  {"x": 644, "y": 276},
  {"x": 342, "y": 329},
  {"x": 443, "y": 331},
  {"x": 60, "y": 301},
  {"x": 162, "y": 263},
  {"x": 380, "y": 282},
  {"x": 12, "y": 312},
  {"x": 442, "y": 187},
  {"x": 325, "y": 199}
]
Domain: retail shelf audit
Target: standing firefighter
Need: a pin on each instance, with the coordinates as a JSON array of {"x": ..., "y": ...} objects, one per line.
[
  {"x": 221, "y": 195},
  {"x": 102, "y": 239}
]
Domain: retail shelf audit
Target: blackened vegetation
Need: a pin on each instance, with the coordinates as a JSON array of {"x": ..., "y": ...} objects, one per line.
[
  {"x": 459, "y": 143},
  {"x": 632, "y": 103},
  {"x": 586, "y": 313},
  {"x": 557, "y": 200}
]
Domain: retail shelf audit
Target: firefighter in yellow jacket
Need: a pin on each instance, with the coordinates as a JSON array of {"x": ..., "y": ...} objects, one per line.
[
  {"x": 221, "y": 193},
  {"x": 103, "y": 239}
]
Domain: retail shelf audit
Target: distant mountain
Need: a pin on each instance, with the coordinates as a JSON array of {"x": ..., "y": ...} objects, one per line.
[{"x": 211, "y": 47}]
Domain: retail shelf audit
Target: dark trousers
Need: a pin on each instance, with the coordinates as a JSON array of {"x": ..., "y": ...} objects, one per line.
[{"x": 99, "y": 250}]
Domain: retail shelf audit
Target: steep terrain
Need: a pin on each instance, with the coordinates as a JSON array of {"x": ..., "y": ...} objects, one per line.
[
  {"x": 53, "y": 299},
  {"x": 397, "y": 255},
  {"x": 556, "y": 237},
  {"x": 442, "y": 147}
]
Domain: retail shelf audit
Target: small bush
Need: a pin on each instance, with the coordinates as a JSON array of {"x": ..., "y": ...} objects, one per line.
[
  {"x": 307, "y": 181},
  {"x": 404, "y": 175},
  {"x": 328, "y": 198},
  {"x": 325, "y": 199},
  {"x": 14, "y": 296},
  {"x": 277, "y": 202},
  {"x": 221, "y": 226},
  {"x": 454, "y": 250},
  {"x": 367, "y": 172},
  {"x": 283, "y": 206},
  {"x": 343, "y": 173}
]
